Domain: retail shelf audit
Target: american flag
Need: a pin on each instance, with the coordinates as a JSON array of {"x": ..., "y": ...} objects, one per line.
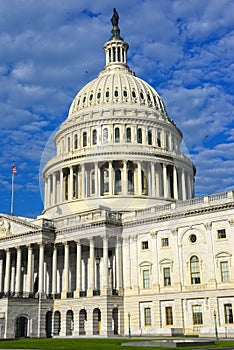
[{"x": 14, "y": 170}]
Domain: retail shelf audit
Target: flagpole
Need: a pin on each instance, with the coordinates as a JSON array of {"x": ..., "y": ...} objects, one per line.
[{"x": 12, "y": 193}]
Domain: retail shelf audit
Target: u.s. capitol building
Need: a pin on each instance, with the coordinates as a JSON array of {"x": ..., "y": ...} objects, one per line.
[{"x": 122, "y": 244}]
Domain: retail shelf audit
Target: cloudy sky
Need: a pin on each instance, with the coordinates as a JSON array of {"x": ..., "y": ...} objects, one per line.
[{"x": 49, "y": 49}]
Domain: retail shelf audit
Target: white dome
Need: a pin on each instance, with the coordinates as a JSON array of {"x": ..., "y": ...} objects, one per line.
[{"x": 116, "y": 86}]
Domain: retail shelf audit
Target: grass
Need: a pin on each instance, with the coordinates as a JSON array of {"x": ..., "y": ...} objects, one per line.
[{"x": 87, "y": 344}]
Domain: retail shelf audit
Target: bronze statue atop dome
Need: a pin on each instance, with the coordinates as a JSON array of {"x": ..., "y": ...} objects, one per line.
[
  {"x": 115, "y": 18},
  {"x": 115, "y": 30}
]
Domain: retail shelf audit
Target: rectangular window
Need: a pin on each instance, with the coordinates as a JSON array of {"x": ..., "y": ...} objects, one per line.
[
  {"x": 167, "y": 276},
  {"x": 197, "y": 315},
  {"x": 165, "y": 242},
  {"x": 224, "y": 271},
  {"x": 169, "y": 315},
  {"x": 147, "y": 316},
  {"x": 221, "y": 233},
  {"x": 144, "y": 245},
  {"x": 228, "y": 313},
  {"x": 146, "y": 279}
]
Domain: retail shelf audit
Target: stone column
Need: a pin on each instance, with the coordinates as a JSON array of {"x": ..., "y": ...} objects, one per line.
[
  {"x": 78, "y": 269},
  {"x": 125, "y": 178},
  {"x": 165, "y": 184},
  {"x": 18, "y": 271},
  {"x": 189, "y": 186},
  {"x": 126, "y": 264},
  {"x": 139, "y": 181},
  {"x": 45, "y": 194},
  {"x": 29, "y": 271},
  {"x": 119, "y": 266},
  {"x": 110, "y": 178},
  {"x": 175, "y": 183},
  {"x": 153, "y": 189},
  {"x": 71, "y": 184},
  {"x": 49, "y": 191},
  {"x": 183, "y": 185},
  {"x": 61, "y": 186},
  {"x": 96, "y": 180},
  {"x": 155, "y": 265},
  {"x": 54, "y": 189},
  {"x": 65, "y": 286},
  {"x": 134, "y": 264},
  {"x": 91, "y": 267},
  {"x": 7, "y": 271},
  {"x": 54, "y": 270},
  {"x": 41, "y": 270},
  {"x": 1, "y": 271},
  {"x": 83, "y": 180},
  {"x": 105, "y": 265}
]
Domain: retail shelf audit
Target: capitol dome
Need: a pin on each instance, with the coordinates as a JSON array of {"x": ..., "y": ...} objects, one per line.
[{"x": 117, "y": 148}]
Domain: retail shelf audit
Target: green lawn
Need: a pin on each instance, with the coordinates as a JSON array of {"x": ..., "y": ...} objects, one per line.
[{"x": 84, "y": 344}]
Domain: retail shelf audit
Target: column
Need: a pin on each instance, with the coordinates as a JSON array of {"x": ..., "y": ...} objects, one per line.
[
  {"x": 54, "y": 270},
  {"x": 119, "y": 265},
  {"x": 175, "y": 183},
  {"x": 7, "y": 271},
  {"x": 49, "y": 191},
  {"x": 165, "y": 184},
  {"x": 155, "y": 265},
  {"x": 96, "y": 180},
  {"x": 99, "y": 182},
  {"x": 153, "y": 189},
  {"x": 41, "y": 270},
  {"x": 18, "y": 271},
  {"x": 110, "y": 178},
  {"x": 91, "y": 266},
  {"x": 1, "y": 271},
  {"x": 189, "y": 186},
  {"x": 134, "y": 264},
  {"x": 61, "y": 186},
  {"x": 78, "y": 268},
  {"x": 83, "y": 180},
  {"x": 71, "y": 184},
  {"x": 65, "y": 286},
  {"x": 29, "y": 271},
  {"x": 54, "y": 194},
  {"x": 105, "y": 264},
  {"x": 139, "y": 181},
  {"x": 126, "y": 263},
  {"x": 158, "y": 182},
  {"x": 45, "y": 194},
  {"x": 125, "y": 178},
  {"x": 183, "y": 185}
]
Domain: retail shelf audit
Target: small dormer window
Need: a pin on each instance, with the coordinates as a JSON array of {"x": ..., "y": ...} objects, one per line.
[
  {"x": 107, "y": 93},
  {"x": 116, "y": 93},
  {"x": 125, "y": 93},
  {"x": 141, "y": 96},
  {"x": 133, "y": 94},
  {"x": 84, "y": 99},
  {"x": 91, "y": 97},
  {"x": 98, "y": 95}
]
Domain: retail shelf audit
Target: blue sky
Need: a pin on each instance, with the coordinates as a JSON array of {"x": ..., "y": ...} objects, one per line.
[{"x": 51, "y": 49}]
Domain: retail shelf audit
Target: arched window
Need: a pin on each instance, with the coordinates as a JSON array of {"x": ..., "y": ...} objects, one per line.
[
  {"x": 143, "y": 182},
  {"x": 128, "y": 134},
  {"x": 94, "y": 140},
  {"x": 68, "y": 144},
  {"x": 118, "y": 187},
  {"x": 84, "y": 139},
  {"x": 159, "y": 143},
  {"x": 105, "y": 181},
  {"x": 139, "y": 135},
  {"x": 117, "y": 133},
  {"x": 105, "y": 135},
  {"x": 149, "y": 137},
  {"x": 75, "y": 141},
  {"x": 195, "y": 270},
  {"x": 130, "y": 181}
]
